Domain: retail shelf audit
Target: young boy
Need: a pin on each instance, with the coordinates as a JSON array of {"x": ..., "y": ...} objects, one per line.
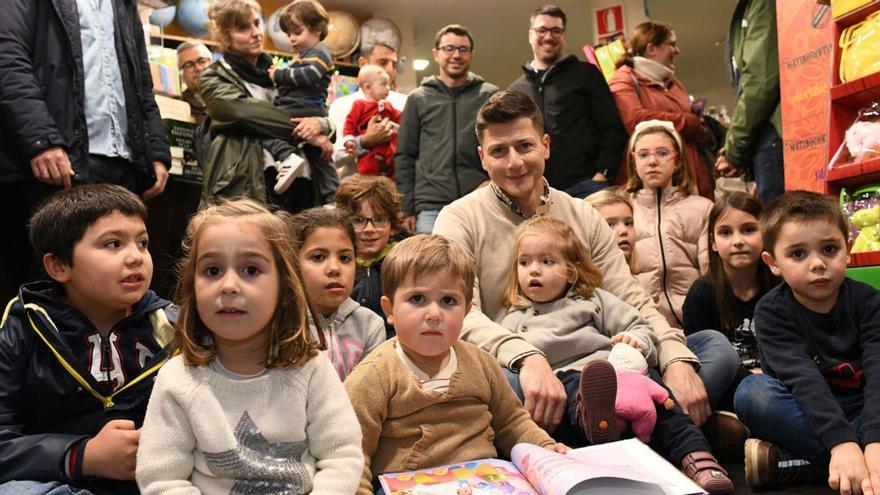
[
  {"x": 302, "y": 92},
  {"x": 817, "y": 403},
  {"x": 375, "y": 83},
  {"x": 373, "y": 206},
  {"x": 425, "y": 398},
  {"x": 78, "y": 352}
]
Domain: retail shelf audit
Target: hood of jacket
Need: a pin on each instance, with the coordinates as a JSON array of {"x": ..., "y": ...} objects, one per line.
[{"x": 533, "y": 73}]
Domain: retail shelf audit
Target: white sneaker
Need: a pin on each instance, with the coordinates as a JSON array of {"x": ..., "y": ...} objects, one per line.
[{"x": 288, "y": 170}]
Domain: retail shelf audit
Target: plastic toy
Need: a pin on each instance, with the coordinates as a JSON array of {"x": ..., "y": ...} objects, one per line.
[
  {"x": 868, "y": 222},
  {"x": 636, "y": 393}
]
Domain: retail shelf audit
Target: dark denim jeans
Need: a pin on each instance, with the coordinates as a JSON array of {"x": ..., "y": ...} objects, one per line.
[
  {"x": 586, "y": 187},
  {"x": 770, "y": 411},
  {"x": 767, "y": 164}
]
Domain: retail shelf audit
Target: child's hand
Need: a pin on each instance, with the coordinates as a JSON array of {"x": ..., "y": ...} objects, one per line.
[
  {"x": 669, "y": 404},
  {"x": 112, "y": 453},
  {"x": 350, "y": 147},
  {"x": 628, "y": 339},
  {"x": 272, "y": 73},
  {"x": 559, "y": 448},
  {"x": 872, "y": 461},
  {"x": 847, "y": 472}
]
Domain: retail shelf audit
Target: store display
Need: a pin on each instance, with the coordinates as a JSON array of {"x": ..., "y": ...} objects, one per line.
[
  {"x": 192, "y": 15},
  {"x": 343, "y": 34},
  {"x": 381, "y": 30},
  {"x": 863, "y": 210},
  {"x": 163, "y": 17},
  {"x": 861, "y": 140},
  {"x": 860, "y": 49}
]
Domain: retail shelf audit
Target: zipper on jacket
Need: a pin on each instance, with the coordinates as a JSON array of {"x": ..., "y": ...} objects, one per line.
[
  {"x": 455, "y": 143},
  {"x": 664, "y": 267}
]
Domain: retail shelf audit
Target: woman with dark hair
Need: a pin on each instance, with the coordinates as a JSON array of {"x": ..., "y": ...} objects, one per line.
[
  {"x": 645, "y": 88},
  {"x": 239, "y": 93}
]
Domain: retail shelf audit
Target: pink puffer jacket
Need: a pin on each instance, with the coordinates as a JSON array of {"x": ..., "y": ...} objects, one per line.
[{"x": 672, "y": 242}]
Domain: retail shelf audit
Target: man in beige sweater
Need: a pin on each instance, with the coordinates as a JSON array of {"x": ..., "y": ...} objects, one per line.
[{"x": 513, "y": 151}]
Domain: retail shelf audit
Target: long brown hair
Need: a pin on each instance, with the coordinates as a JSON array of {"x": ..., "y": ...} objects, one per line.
[
  {"x": 583, "y": 275},
  {"x": 231, "y": 15},
  {"x": 291, "y": 343},
  {"x": 725, "y": 300}
]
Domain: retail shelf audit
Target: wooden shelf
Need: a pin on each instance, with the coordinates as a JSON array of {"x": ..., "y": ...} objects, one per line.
[
  {"x": 871, "y": 258},
  {"x": 855, "y": 174},
  {"x": 857, "y": 94},
  {"x": 857, "y": 15}
]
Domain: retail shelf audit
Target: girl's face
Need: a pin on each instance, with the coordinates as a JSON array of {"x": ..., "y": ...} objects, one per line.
[
  {"x": 541, "y": 270},
  {"x": 620, "y": 218},
  {"x": 737, "y": 239},
  {"x": 237, "y": 285},
  {"x": 656, "y": 160},
  {"x": 327, "y": 264},
  {"x": 372, "y": 235},
  {"x": 247, "y": 41}
]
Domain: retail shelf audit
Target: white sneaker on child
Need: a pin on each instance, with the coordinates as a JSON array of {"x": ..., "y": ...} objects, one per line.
[{"x": 288, "y": 170}]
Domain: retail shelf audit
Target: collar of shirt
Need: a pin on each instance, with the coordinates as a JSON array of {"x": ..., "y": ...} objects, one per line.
[{"x": 544, "y": 200}]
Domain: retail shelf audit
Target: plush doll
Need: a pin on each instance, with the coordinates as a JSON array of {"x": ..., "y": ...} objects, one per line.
[
  {"x": 863, "y": 140},
  {"x": 868, "y": 222},
  {"x": 636, "y": 393}
]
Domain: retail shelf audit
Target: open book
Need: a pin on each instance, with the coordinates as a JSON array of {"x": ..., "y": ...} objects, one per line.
[{"x": 628, "y": 467}]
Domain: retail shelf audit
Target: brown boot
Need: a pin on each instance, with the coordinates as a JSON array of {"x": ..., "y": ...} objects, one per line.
[
  {"x": 597, "y": 394},
  {"x": 726, "y": 435},
  {"x": 703, "y": 468}
]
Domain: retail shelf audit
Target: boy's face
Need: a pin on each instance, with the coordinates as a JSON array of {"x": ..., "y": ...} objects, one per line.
[
  {"x": 372, "y": 238},
  {"x": 378, "y": 87},
  {"x": 111, "y": 269},
  {"x": 302, "y": 38},
  {"x": 427, "y": 314},
  {"x": 811, "y": 257}
]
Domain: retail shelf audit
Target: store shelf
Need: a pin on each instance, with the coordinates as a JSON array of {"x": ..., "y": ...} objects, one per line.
[
  {"x": 857, "y": 15},
  {"x": 855, "y": 174},
  {"x": 871, "y": 258},
  {"x": 857, "y": 94}
]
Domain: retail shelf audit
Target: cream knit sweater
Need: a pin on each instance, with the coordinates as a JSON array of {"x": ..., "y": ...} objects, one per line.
[{"x": 288, "y": 431}]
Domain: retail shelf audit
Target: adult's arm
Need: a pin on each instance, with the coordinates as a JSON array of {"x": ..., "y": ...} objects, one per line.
[
  {"x": 406, "y": 155},
  {"x": 610, "y": 133},
  {"x": 759, "y": 81},
  {"x": 632, "y": 110}
]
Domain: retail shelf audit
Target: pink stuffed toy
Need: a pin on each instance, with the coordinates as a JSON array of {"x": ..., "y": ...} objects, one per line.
[
  {"x": 636, "y": 393},
  {"x": 863, "y": 140}
]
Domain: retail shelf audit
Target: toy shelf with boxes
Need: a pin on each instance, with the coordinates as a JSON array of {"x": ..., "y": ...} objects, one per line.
[{"x": 852, "y": 172}]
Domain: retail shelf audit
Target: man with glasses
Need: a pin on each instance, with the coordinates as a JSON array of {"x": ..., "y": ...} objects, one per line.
[
  {"x": 192, "y": 58},
  {"x": 579, "y": 113},
  {"x": 436, "y": 160}
]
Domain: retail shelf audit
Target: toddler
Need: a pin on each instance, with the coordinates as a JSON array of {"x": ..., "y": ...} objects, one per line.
[
  {"x": 375, "y": 83},
  {"x": 248, "y": 403},
  {"x": 325, "y": 244}
]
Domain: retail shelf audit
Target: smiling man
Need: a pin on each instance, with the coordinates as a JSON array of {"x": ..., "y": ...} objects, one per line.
[
  {"x": 579, "y": 112},
  {"x": 436, "y": 160}
]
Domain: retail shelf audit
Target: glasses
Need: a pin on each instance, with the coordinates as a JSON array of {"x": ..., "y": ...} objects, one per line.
[
  {"x": 661, "y": 154},
  {"x": 201, "y": 62},
  {"x": 542, "y": 31},
  {"x": 379, "y": 222},
  {"x": 452, "y": 48}
]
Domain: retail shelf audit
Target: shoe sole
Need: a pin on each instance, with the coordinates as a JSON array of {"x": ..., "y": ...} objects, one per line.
[
  {"x": 286, "y": 176},
  {"x": 752, "y": 451},
  {"x": 598, "y": 389}
]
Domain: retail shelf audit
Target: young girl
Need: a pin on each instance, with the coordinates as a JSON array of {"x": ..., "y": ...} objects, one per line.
[
  {"x": 614, "y": 205},
  {"x": 248, "y": 402},
  {"x": 556, "y": 305},
  {"x": 325, "y": 243},
  {"x": 671, "y": 222}
]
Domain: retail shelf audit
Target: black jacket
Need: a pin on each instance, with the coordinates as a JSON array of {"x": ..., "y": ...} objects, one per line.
[
  {"x": 42, "y": 86},
  {"x": 586, "y": 135},
  {"x": 50, "y": 400}
]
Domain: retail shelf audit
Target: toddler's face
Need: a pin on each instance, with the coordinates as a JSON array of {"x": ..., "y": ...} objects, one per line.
[
  {"x": 378, "y": 87},
  {"x": 301, "y": 37},
  {"x": 811, "y": 257},
  {"x": 327, "y": 264},
  {"x": 620, "y": 218},
  {"x": 541, "y": 269}
]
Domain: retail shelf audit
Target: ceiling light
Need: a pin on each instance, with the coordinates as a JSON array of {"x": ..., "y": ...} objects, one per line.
[{"x": 420, "y": 64}]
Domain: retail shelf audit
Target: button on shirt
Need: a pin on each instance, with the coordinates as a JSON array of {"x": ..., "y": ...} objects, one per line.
[{"x": 104, "y": 102}]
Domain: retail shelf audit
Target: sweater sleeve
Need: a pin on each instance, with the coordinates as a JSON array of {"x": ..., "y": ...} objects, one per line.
[
  {"x": 333, "y": 433},
  {"x": 305, "y": 71},
  {"x": 370, "y": 399},
  {"x": 375, "y": 332},
  {"x": 869, "y": 325},
  {"x": 352, "y": 119},
  {"x": 787, "y": 356},
  {"x": 165, "y": 453},
  {"x": 406, "y": 155}
]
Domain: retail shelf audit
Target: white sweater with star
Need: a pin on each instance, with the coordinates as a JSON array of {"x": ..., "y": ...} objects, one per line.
[{"x": 288, "y": 431}]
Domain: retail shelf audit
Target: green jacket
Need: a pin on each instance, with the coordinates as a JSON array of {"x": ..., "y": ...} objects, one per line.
[
  {"x": 239, "y": 123},
  {"x": 753, "y": 59}
]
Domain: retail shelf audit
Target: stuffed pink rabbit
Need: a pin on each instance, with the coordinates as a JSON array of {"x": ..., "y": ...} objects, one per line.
[{"x": 636, "y": 393}]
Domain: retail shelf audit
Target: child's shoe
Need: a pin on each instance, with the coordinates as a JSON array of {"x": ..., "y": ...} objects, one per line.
[
  {"x": 597, "y": 394},
  {"x": 768, "y": 465},
  {"x": 703, "y": 468},
  {"x": 726, "y": 435},
  {"x": 288, "y": 171}
]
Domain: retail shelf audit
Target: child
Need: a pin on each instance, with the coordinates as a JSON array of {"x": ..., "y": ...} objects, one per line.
[
  {"x": 426, "y": 398},
  {"x": 373, "y": 207},
  {"x": 375, "y": 83},
  {"x": 556, "y": 305},
  {"x": 325, "y": 240},
  {"x": 615, "y": 206},
  {"x": 819, "y": 337},
  {"x": 249, "y": 403},
  {"x": 79, "y": 352},
  {"x": 302, "y": 92},
  {"x": 671, "y": 222}
]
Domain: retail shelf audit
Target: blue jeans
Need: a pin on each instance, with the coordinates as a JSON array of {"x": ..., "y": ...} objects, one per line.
[
  {"x": 719, "y": 363},
  {"x": 586, "y": 187},
  {"x": 425, "y": 221},
  {"x": 770, "y": 411},
  {"x": 42, "y": 488},
  {"x": 767, "y": 164}
]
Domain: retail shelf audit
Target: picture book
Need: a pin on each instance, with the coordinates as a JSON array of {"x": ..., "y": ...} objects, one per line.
[{"x": 627, "y": 467}]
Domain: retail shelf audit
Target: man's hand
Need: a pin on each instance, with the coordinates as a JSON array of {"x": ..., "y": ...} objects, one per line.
[
  {"x": 161, "y": 181},
  {"x": 544, "y": 393},
  {"x": 112, "y": 453},
  {"x": 379, "y": 131},
  {"x": 847, "y": 472},
  {"x": 628, "y": 339},
  {"x": 725, "y": 168},
  {"x": 872, "y": 461},
  {"x": 409, "y": 224},
  {"x": 52, "y": 166},
  {"x": 688, "y": 389},
  {"x": 323, "y": 143},
  {"x": 306, "y": 128}
]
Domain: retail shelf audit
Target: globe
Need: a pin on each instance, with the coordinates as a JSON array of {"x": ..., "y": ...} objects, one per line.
[
  {"x": 163, "y": 17},
  {"x": 192, "y": 15},
  {"x": 343, "y": 34},
  {"x": 380, "y": 30},
  {"x": 279, "y": 38}
]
